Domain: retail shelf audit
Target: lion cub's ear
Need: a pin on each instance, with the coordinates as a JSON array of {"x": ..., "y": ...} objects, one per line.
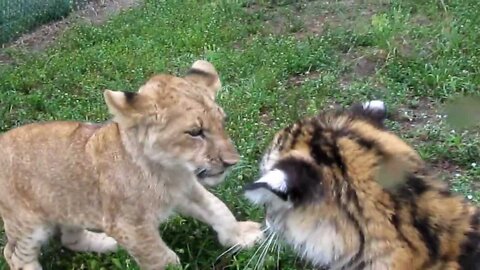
[
  {"x": 122, "y": 105},
  {"x": 204, "y": 72}
]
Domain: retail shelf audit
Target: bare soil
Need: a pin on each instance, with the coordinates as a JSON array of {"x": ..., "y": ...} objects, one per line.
[
  {"x": 96, "y": 12},
  {"x": 312, "y": 18}
]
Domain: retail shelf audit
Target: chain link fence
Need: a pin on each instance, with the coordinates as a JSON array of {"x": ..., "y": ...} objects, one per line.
[{"x": 20, "y": 16}]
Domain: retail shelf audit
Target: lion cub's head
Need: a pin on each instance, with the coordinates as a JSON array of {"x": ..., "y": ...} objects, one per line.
[{"x": 175, "y": 121}]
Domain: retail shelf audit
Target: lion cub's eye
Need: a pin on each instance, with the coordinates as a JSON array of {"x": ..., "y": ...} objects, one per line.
[{"x": 198, "y": 132}]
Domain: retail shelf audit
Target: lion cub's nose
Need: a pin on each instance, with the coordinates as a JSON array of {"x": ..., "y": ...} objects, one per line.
[{"x": 230, "y": 159}]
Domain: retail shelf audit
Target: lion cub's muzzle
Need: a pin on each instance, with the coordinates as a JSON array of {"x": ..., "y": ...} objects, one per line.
[
  {"x": 214, "y": 175},
  {"x": 204, "y": 173}
]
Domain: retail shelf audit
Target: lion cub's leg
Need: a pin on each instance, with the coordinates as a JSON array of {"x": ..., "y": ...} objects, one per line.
[
  {"x": 24, "y": 243},
  {"x": 206, "y": 207},
  {"x": 11, "y": 242},
  {"x": 143, "y": 242},
  {"x": 8, "y": 251},
  {"x": 79, "y": 239}
]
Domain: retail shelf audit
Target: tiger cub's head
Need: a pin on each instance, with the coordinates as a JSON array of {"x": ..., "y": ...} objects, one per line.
[{"x": 318, "y": 170}]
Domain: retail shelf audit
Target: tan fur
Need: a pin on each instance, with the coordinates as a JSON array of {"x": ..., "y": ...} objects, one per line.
[
  {"x": 124, "y": 177},
  {"x": 375, "y": 205}
]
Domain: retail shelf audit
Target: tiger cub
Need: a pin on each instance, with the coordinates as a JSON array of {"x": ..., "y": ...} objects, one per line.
[{"x": 346, "y": 193}]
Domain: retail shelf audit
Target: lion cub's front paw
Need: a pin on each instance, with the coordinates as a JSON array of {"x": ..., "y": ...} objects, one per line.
[
  {"x": 171, "y": 258},
  {"x": 17, "y": 263},
  {"x": 245, "y": 234}
]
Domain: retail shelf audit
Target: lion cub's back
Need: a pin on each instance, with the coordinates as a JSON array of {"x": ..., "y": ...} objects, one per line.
[
  {"x": 45, "y": 164},
  {"x": 44, "y": 141}
]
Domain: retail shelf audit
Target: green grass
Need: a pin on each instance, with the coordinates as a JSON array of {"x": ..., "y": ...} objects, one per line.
[{"x": 425, "y": 53}]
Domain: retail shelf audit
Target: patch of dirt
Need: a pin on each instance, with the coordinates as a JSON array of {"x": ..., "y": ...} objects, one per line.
[
  {"x": 450, "y": 173},
  {"x": 252, "y": 7},
  {"x": 365, "y": 66},
  {"x": 311, "y": 18},
  {"x": 314, "y": 26},
  {"x": 447, "y": 167},
  {"x": 96, "y": 12},
  {"x": 277, "y": 25},
  {"x": 363, "y": 62},
  {"x": 344, "y": 13},
  {"x": 475, "y": 185},
  {"x": 447, "y": 171},
  {"x": 5, "y": 59},
  {"x": 420, "y": 19},
  {"x": 265, "y": 116},
  {"x": 405, "y": 47},
  {"x": 300, "y": 79},
  {"x": 416, "y": 115}
]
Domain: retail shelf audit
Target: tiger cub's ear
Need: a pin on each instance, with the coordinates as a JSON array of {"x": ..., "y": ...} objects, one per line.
[{"x": 375, "y": 111}]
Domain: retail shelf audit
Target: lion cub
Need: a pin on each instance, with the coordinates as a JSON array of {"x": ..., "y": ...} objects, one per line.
[{"x": 124, "y": 177}]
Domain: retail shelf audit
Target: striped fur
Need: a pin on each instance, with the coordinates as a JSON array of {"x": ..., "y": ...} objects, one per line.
[{"x": 356, "y": 196}]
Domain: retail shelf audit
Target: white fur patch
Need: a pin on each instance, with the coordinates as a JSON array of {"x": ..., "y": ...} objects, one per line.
[
  {"x": 377, "y": 105},
  {"x": 259, "y": 195},
  {"x": 276, "y": 180},
  {"x": 41, "y": 235}
]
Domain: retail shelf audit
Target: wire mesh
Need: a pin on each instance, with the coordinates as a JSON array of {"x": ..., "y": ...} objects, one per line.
[{"x": 20, "y": 16}]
